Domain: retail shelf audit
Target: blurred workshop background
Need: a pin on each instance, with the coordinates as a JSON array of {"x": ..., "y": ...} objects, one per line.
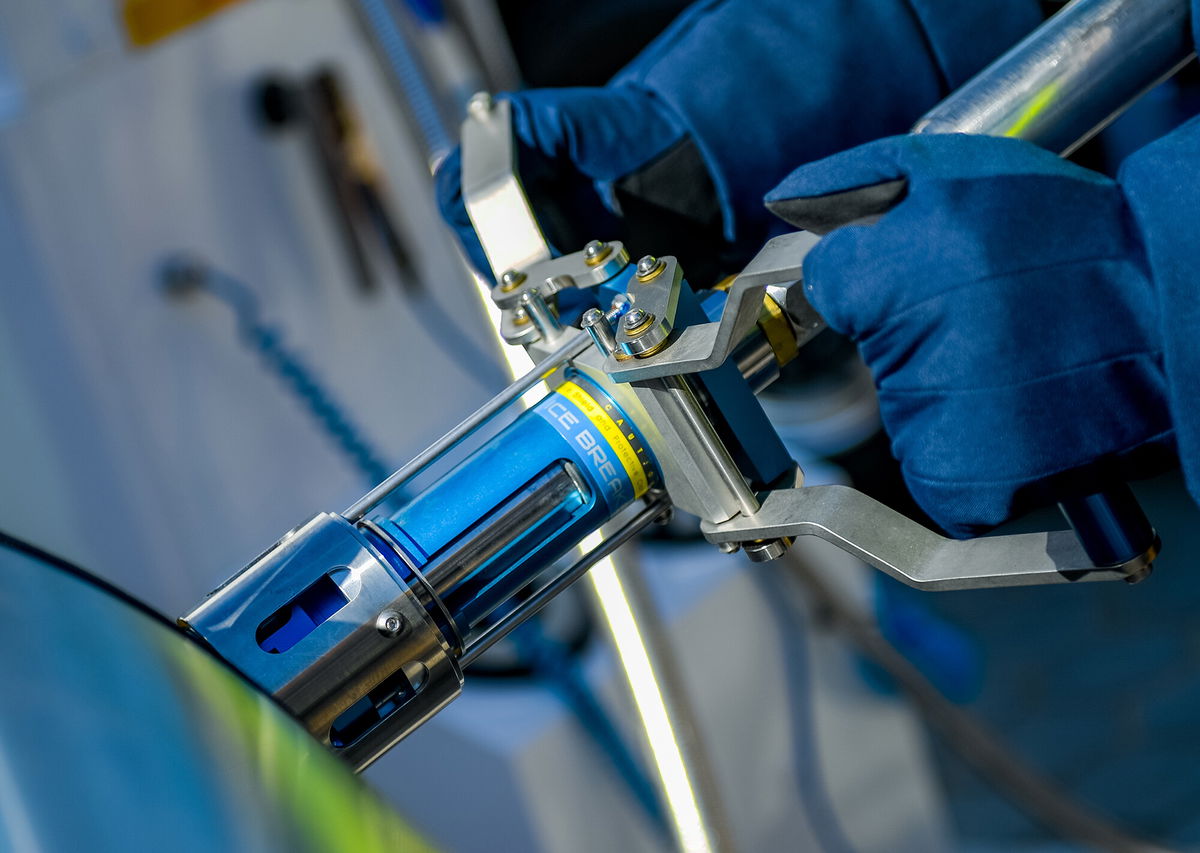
[{"x": 228, "y": 302}]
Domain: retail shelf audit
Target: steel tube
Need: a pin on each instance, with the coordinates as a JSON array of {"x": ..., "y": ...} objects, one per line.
[
  {"x": 480, "y": 544},
  {"x": 681, "y": 394},
  {"x": 1073, "y": 75},
  {"x": 546, "y": 594}
]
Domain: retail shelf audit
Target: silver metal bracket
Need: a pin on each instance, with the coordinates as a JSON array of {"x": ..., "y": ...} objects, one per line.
[
  {"x": 493, "y": 195},
  {"x": 706, "y": 346},
  {"x": 551, "y": 275},
  {"x": 655, "y": 300},
  {"x": 898, "y": 546}
]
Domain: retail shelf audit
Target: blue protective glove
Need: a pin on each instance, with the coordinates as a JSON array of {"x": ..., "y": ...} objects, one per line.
[
  {"x": 573, "y": 144},
  {"x": 727, "y": 100},
  {"x": 1006, "y": 309},
  {"x": 1164, "y": 195}
]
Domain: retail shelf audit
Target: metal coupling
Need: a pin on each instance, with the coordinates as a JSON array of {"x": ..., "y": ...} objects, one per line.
[
  {"x": 325, "y": 624},
  {"x": 645, "y": 333},
  {"x": 766, "y": 550}
]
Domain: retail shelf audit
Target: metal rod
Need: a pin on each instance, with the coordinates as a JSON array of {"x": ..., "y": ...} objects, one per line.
[
  {"x": 1073, "y": 75},
  {"x": 596, "y": 324},
  {"x": 573, "y": 347},
  {"x": 542, "y": 597},
  {"x": 503, "y": 526},
  {"x": 680, "y": 391},
  {"x": 640, "y": 638}
]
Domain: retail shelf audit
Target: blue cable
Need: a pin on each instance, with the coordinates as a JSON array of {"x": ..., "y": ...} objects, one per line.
[
  {"x": 408, "y": 77},
  {"x": 183, "y": 275}
]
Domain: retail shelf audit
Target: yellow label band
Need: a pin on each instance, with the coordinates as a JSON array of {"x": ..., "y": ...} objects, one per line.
[{"x": 612, "y": 434}]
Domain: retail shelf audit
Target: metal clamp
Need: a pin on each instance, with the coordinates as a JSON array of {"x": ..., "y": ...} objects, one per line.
[
  {"x": 551, "y": 275},
  {"x": 706, "y": 346}
]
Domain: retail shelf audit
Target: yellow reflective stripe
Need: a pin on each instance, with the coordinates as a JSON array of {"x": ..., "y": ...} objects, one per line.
[
  {"x": 1038, "y": 104},
  {"x": 612, "y": 434}
]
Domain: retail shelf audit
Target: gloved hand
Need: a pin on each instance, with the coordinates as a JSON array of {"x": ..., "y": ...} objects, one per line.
[
  {"x": 725, "y": 102},
  {"x": 572, "y": 146},
  {"x": 1006, "y": 309}
]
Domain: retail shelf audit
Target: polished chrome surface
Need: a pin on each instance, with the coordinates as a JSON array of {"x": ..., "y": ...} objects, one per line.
[
  {"x": 756, "y": 361},
  {"x": 1073, "y": 75},
  {"x": 119, "y": 734},
  {"x": 697, "y": 425},
  {"x": 345, "y": 657},
  {"x": 539, "y": 313},
  {"x": 596, "y": 324},
  {"x": 889, "y": 541}
]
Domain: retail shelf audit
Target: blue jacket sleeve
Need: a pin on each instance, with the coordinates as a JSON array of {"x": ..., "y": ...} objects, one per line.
[
  {"x": 1162, "y": 185},
  {"x": 765, "y": 85}
]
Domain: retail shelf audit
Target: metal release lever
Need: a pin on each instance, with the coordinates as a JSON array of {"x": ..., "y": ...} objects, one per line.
[{"x": 898, "y": 546}]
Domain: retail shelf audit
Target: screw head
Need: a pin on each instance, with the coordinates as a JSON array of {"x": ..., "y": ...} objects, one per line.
[
  {"x": 596, "y": 252},
  {"x": 649, "y": 267},
  {"x": 510, "y": 280},
  {"x": 480, "y": 104},
  {"x": 729, "y": 547},
  {"x": 636, "y": 317},
  {"x": 390, "y": 623}
]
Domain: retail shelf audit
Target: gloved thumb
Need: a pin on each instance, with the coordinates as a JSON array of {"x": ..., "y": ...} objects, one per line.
[{"x": 855, "y": 186}]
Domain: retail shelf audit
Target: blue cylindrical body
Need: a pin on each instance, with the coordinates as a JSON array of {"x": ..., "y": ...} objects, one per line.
[{"x": 521, "y": 501}]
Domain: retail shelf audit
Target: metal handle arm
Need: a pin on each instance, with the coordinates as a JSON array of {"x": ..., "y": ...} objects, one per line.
[
  {"x": 706, "y": 346},
  {"x": 895, "y": 544}
]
